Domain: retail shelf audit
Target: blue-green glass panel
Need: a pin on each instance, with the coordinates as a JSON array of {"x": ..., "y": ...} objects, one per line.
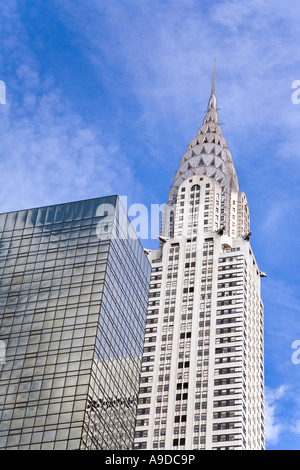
[
  {"x": 78, "y": 210},
  {"x": 59, "y": 214},
  {"x": 50, "y": 214},
  {"x": 88, "y": 208},
  {"x": 21, "y": 219},
  {"x": 69, "y": 212},
  {"x": 10, "y": 221},
  {"x": 41, "y": 216},
  {"x": 31, "y": 217}
]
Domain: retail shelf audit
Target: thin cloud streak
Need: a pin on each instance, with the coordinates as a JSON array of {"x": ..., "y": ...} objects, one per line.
[
  {"x": 274, "y": 426},
  {"x": 278, "y": 423},
  {"x": 165, "y": 52},
  {"x": 50, "y": 154}
]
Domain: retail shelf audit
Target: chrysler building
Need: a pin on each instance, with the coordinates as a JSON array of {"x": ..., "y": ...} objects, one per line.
[{"x": 202, "y": 378}]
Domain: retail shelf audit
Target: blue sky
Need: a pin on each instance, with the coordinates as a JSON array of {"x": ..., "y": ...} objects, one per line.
[{"x": 103, "y": 97}]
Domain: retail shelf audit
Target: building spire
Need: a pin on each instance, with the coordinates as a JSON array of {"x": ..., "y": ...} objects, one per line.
[
  {"x": 213, "y": 85},
  {"x": 212, "y": 113},
  {"x": 207, "y": 153}
]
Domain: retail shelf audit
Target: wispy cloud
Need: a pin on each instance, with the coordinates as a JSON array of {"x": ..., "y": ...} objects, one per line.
[
  {"x": 165, "y": 52},
  {"x": 48, "y": 152},
  {"x": 282, "y": 420},
  {"x": 53, "y": 155},
  {"x": 273, "y": 422},
  {"x": 158, "y": 57}
]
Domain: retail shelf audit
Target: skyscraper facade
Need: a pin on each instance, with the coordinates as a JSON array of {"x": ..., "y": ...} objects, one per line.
[
  {"x": 73, "y": 300},
  {"x": 202, "y": 380}
]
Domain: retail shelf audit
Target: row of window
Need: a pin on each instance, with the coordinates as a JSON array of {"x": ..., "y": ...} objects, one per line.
[{"x": 183, "y": 364}]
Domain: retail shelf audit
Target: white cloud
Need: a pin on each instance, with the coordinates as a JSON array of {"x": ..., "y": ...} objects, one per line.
[
  {"x": 273, "y": 424},
  {"x": 53, "y": 158},
  {"x": 165, "y": 52},
  {"x": 48, "y": 153},
  {"x": 282, "y": 420}
]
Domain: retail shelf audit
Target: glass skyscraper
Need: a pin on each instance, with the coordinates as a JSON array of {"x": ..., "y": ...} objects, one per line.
[{"x": 73, "y": 299}]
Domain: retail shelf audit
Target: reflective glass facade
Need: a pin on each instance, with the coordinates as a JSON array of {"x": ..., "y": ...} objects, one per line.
[{"x": 73, "y": 300}]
